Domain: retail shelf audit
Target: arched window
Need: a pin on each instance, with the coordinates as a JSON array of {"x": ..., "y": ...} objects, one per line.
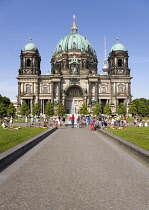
[
  {"x": 28, "y": 62},
  {"x": 103, "y": 90},
  {"x": 74, "y": 45},
  {"x": 45, "y": 89},
  {"x": 60, "y": 48},
  {"x": 28, "y": 89},
  {"x": 74, "y": 92},
  {"x": 119, "y": 62},
  {"x": 120, "y": 89}
]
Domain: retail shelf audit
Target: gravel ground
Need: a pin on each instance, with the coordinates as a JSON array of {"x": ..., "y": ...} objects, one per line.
[{"x": 75, "y": 169}]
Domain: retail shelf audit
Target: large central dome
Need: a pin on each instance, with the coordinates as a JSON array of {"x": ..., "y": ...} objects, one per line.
[{"x": 74, "y": 42}]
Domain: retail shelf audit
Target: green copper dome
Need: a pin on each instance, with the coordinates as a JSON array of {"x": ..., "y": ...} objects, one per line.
[
  {"x": 74, "y": 42},
  {"x": 117, "y": 47},
  {"x": 30, "y": 46}
]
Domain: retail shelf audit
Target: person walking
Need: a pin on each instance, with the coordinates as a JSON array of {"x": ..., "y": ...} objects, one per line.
[
  {"x": 72, "y": 119},
  {"x": 78, "y": 122},
  {"x": 63, "y": 121},
  {"x": 125, "y": 120},
  {"x": 88, "y": 119},
  {"x": 11, "y": 122},
  {"x": 112, "y": 123}
]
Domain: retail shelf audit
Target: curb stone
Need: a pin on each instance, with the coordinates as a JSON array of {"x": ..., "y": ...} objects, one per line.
[
  {"x": 138, "y": 151},
  {"x": 11, "y": 155}
]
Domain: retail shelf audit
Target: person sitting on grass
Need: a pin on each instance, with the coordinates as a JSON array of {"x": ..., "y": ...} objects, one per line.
[
  {"x": 146, "y": 124},
  {"x": 3, "y": 125},
  {"x": 17, "y": 128}
]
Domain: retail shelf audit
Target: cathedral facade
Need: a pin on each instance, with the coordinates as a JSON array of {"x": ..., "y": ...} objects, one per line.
[{"x": 74, "y": 77}]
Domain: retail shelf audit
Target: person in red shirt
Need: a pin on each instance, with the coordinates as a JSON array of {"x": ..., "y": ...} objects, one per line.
[
  {"x": 125, "y": 120},
  {"x": 72, "y": 119}
]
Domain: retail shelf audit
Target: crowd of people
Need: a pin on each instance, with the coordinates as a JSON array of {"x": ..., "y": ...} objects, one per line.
[
  {"x": 100, "y": 122},
  {"x": 103, "y": 122},
  {"x": 8, "y": 124},
  {"x": 93, "y": 123},
  {"x": 139, "y": 122}
]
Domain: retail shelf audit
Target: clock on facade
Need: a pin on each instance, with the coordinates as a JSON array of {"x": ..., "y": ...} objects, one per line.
[
  {"x": 120, "y": 71},
  {"x": 28, "y": 71}
]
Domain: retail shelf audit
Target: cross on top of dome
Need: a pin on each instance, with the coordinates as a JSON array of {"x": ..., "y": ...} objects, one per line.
[{"x": 74, "y": 27}]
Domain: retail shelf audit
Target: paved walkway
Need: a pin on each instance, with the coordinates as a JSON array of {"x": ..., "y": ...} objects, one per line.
[{"x": 75, "y": 169}]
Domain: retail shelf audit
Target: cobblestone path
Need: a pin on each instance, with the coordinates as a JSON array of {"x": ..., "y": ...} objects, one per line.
[{"x": 75, "y": 169}]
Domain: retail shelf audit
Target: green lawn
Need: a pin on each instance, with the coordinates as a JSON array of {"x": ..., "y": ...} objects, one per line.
[
  {"x": 136, "y": 135},
  {"x": 11, "y": 138}
]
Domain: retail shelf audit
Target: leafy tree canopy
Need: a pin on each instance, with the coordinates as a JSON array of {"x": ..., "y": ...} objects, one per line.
[
  {"x": 61, "y": 110},
  {"x": 132, "y": 109},
  {"x": 24, "y": 111},
  {"x": 4, "y": 100},
  {"x": 121, "y": 109},
  {"x": 83, "y": 110},
  {"x": 11, "y": 111},
  {"x": 49, "y": 109},
  {"x": 36, "y": 110},
  {"x": 107, "y": 110},
  {"x": 97, "y": 110},
  {"x": 3, "y": 110},
  {"x": 142, "y": 106}
]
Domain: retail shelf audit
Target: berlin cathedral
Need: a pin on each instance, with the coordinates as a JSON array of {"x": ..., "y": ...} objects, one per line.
[{"x": 74, "y": 77}]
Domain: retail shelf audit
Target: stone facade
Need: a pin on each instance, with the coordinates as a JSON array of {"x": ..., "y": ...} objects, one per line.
[{"x": 74, "y": 80}]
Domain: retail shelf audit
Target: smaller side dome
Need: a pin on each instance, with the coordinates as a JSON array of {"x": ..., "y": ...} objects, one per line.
[
  {"x": 117, "y": 47},
  {"x": 30, "y": 46}
]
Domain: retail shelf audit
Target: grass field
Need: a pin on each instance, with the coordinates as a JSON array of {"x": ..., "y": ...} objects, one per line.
[
  {"x": 136, "y": 135},
  {"x": 11, "y": 138}
]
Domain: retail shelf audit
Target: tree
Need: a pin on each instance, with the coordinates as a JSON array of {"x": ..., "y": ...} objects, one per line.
[
  {"x": 11, "y": 111},
  {"x": 142, "y": 106},
  {"x": 61, "y": 110},
  {"x": 4, "y": 100},
  {"x": 121, "y": 109},
  {"x": 24, "y": 111},
  {"x": 3, "y": 110},
  {"x": 49, "y": 109},
  {"x": 107, "y": 110},
  {"x": 132, "y": 110},
  {"x": 36, "y": 110},
  {"x": 97, "y": 110},
  {"x": 83, "y": 110}
]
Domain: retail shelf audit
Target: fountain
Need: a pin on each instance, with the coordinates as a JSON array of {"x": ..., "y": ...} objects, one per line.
[{"x": 73, "y": 111}]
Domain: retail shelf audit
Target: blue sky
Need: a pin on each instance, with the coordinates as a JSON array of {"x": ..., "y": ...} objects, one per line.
[{"x": 47, "y": 21}]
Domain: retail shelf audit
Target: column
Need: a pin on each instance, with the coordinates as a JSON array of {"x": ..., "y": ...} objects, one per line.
[
  {"x": 96, "y": 92},
  {"x": 89, "y": 92},
  {"x": 52, "y": 95},
  {"x": 115, "y": 62},
  {"x": 31, "y": 104},
  {"x": 112, "y": 93},
  {"x": 19, "y": 92},
  {"x": 37, "y": 92},
  {"x": 59, "y": 92},
  {"x": 24, "y": 62},
  {"x": 43, "y": 105}
]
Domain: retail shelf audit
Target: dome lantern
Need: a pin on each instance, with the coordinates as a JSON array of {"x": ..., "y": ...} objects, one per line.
[{"x": 74, "y": 27}]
